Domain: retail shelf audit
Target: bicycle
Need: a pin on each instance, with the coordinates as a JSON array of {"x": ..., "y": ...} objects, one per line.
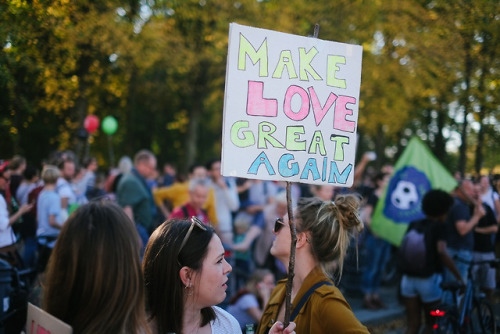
[{"x": 473, "y": 315}]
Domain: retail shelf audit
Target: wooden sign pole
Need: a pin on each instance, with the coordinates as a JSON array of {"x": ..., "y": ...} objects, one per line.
[
  {"x": 291, "y": 264},
  {"x": 293, "y": 232}
]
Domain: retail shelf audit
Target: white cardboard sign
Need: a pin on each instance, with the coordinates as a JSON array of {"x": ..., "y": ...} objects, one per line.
[
  {"x": 41, "y": 322},
  {"x": 290, "y": 108}
]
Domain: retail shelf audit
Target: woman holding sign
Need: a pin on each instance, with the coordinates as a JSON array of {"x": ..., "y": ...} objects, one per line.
[
  {"x": 185, "y": 275},
  {"x": 324, "y": 229}
]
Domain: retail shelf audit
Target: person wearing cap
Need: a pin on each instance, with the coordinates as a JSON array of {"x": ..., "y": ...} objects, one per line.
[{"x": 7, "y": 237}]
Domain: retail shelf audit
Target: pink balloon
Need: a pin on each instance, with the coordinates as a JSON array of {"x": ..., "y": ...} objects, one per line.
[{"x": 91, "y": 123}]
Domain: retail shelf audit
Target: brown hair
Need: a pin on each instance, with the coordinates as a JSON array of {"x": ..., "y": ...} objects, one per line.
[
  {"x": 161, "y": 266},
  {"x": 330, "y": 226},
  {"x": 251, "y": 287},
  {"x": 94, "y": 279}
]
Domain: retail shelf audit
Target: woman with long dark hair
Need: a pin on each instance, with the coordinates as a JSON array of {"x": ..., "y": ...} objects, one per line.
[
  {"x": 185, "y": 275},
  {"x": 94, "y": 280}
]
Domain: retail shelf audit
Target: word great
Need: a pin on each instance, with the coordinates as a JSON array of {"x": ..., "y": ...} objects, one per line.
[{"x": 242, "y": 137}]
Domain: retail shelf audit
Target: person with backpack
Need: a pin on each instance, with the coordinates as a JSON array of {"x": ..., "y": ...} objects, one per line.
[{"x": 421, "y": 257}]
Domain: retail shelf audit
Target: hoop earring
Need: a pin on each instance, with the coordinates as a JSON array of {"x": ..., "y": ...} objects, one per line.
[{"x": 189, "y": 291}]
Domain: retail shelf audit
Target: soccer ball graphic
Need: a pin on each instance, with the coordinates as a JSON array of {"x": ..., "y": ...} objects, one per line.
[{"x": 405, "y": 195}]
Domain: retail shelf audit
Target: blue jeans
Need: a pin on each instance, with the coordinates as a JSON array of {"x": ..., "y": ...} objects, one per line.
[
  {"x": 428, "y": 289},
  {"x": 30, "y": 249},
  {"x": 144, "y": 235},
  {"x": 462, "y": 269},
  {"x": 377, "y": 252}
]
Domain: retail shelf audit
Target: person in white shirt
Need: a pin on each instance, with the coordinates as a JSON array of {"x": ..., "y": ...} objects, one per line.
[
  {"x": 185, "y": 275},
  {"x": 488, "y": 196},
  {"x": 64, "y": 188},
  {"x": 226, "y": 201},
  {"x": 7, "y": 237}
]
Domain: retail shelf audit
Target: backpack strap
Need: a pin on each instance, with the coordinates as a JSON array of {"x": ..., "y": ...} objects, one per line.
[{"x": 305, "y": 297}]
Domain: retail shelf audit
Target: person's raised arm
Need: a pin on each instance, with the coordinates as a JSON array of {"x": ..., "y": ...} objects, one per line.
[
  {"x": 465, "y": 226},
  {"x": 360, "y": 168},
  {"x": 22, "y": 210},
  {"x": 250, "y": 236},
  {"x": 492, "y": 229},
  {"x": 447, "y": 261}
]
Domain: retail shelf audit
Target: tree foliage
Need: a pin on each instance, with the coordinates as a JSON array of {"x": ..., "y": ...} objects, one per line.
[{"x": 430, "y": 68}]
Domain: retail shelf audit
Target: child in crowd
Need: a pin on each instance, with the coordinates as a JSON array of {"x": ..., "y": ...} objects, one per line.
[
  {"x": 48, "y": 215},
  {"x": 247, "y": 305},
  {"x": 242, "y": 258}
]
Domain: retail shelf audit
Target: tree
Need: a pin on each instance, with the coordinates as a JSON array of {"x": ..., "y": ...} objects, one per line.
[{"x": 159, "y": 68}]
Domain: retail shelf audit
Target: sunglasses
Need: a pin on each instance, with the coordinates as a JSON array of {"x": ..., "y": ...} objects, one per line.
[
  {"x": 194, "y": 222},
  {"x": 278, "y": 224}
]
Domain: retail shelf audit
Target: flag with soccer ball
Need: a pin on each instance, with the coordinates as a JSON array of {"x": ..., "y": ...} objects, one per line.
[{"x": 416, "y": 172}]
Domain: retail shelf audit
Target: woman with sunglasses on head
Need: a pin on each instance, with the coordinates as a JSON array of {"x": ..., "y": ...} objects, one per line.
[
  {"x": 324, "y": 229},
  {"x": 185, "y": 275}
]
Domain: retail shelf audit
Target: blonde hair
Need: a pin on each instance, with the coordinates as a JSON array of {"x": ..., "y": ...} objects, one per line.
[
  {"x": 330, "y": 226},
  {"x": 242, "y": 221},
  {"x": 50, "y": 174}
]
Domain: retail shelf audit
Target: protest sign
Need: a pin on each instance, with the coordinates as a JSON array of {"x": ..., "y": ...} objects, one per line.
[
  {"x": 40, "y": 322},
  {"x": 290, "y": 108}
]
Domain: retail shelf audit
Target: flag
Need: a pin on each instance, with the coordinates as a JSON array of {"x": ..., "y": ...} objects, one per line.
[{"x": 416, "y": 172}]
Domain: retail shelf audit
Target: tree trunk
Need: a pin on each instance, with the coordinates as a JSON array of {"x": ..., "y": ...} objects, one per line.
[
  {"x": 439, "y": 141},
  {"x": 478, "y": 162},
  {"x": 192, "y": 135},
  {"x": 197, "y": 100},
  {"x": 466, "y": 105}
]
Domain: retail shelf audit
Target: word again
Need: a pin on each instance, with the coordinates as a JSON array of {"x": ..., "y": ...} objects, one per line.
[{"x": 288, "y": 167}]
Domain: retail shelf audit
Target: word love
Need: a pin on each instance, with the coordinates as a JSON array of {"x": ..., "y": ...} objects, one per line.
[{"x": 257, "y": 105}]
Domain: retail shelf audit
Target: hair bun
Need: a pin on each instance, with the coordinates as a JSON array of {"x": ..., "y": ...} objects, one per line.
[{"x": 347, "y": 207}]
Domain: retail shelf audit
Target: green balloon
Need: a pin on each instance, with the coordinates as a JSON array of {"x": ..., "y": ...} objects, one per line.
[{"x": 109, "y": 125}]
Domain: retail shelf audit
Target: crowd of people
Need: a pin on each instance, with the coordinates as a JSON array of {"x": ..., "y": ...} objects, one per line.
[{"x": 164, "y": 253}]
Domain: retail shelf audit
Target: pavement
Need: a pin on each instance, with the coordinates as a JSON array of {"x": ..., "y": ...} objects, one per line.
[{"x": 393, "y": 311}]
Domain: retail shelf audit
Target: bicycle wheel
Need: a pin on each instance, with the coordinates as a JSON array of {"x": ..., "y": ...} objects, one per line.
[{"x": 482, "y": 318}]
